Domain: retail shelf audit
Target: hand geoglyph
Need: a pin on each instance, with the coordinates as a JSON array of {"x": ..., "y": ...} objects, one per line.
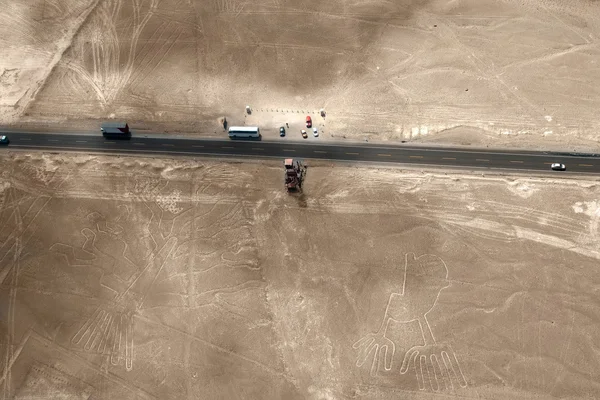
[
  {"x": 109, "y": 330},
  {"x": 435, "y": 366}
]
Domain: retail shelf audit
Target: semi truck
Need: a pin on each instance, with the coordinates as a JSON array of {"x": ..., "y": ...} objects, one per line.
[{"x": 115, "y": 130}]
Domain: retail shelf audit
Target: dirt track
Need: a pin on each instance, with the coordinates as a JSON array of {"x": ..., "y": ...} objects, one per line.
[
  {"x": 468, "y": 72},
  {"x": 152, "y": 279}
]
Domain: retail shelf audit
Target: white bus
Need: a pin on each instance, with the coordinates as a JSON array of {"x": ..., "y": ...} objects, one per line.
[{"x": 244, "y": 132}]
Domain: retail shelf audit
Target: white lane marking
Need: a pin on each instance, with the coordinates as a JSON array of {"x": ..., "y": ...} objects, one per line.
[
  {"x": 81, "y": 141},
  {"x": 24, "y": 138},
  {"x": 139, "y": 144},
  {"x": 347, "y": 146},
  {"x": 257, "y": 148},
  {"x": 196, "y": 145},
  {"x": 168, "y": 144}
]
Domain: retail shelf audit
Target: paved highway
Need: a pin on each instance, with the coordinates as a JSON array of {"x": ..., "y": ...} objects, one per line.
[{"x": 311, "y": 148}]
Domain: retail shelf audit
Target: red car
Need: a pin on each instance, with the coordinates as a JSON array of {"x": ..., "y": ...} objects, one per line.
[{"x": 308, "y": 121}]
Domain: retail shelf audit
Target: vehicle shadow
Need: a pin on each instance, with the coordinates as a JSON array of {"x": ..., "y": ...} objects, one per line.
[{"x": 302, "y": 201}]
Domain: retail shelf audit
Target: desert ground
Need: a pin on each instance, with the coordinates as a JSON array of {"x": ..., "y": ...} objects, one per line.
[
  {"x": 127, "y": 278},
  {"x": 467, "y": 72}
]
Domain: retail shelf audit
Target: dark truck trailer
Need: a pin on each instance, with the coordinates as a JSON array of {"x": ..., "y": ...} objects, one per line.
[{"x": 115, "y": 130}]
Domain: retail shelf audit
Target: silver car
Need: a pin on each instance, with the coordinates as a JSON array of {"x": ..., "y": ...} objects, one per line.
[{"x": 558, "y": 167}]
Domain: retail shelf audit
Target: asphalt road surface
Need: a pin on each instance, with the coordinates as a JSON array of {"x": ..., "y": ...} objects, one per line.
[{"x": 311, "y": 148}]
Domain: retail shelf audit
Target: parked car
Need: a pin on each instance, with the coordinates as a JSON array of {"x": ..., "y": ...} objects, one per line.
[
  {"x": 558, "y": 167},
  {"x": 4, "y": 140},
  {"x": 308, "y": 121},
  {"x": 315, "y": 132},
  {"x": 304, "y": 135},
  {"x": 282, "y": 131}
]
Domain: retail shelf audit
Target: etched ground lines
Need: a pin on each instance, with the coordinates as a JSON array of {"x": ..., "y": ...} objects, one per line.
[
  {"x": 110, "y": 334},
  {"x": 506, "y": 214},
  {"x": 13, "y": 268},
  {"x": 434, "y": 365},
  {"x": 109, "y": 330},
  {"x": 145, "y": 66},
  {"x": 24, "y": 228},
  {"x": 215, "y": 255},
  {"x": 42, "y": 376},
  {"x": 98, "y": 59},
  {"x": 227, "y": 6},
  {"x": 48, "y": 370},
  {"x": 212, "y": 240}
]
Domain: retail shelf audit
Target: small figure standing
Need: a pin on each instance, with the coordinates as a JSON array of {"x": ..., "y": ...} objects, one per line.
[
  {"x": 224, "y": 123},
  {"x": 287, "y": 125},
  {"x": 248, "y": 110}
]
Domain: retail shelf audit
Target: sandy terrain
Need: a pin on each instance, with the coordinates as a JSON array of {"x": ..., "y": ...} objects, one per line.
[
  {"x": 478, "y": 72},
  {"x": 124, "y": 278}
]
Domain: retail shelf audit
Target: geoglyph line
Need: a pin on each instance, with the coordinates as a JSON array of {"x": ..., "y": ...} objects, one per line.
[{"x": 434, "y": 364}]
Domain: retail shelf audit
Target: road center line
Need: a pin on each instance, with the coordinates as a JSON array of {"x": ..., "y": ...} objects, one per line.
[
  {"x": 140, "y": 144},
  {"x": 226, "y": 147},
  {"x": 319, "y": 151},
  {"x": 196, "y": 145},
  {"x": 24, "y": 138},
  {"x": 352, "y": 154},
  {"x": 81, "y": 141},
  {"x": 416, "y": 156},
  {"x": 448, "y": 158},
  {"x": 53, "y": 140},
  {"x": 482, "y": 159},
  {"x": 110, "y": 142},
  {"x": 258, "y": 148},
  {"x": 288, "y": 150},
  {"x": 384, "y": 155},
  {"x": 168, "y": 144},
  {"x": 516, "y": 161},
  {"x": 585, "y": 165}
]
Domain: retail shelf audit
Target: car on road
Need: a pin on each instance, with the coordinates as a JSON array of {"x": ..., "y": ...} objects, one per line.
[
  {"x": 304, "y": 135},
  {"x": 558, "y": 167},
  {"x": 4, "y": 140},
  {"x": 281, "y": 131},
  {"x": 308, "y": 121},
  {"x": 315, "y": 132}
]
